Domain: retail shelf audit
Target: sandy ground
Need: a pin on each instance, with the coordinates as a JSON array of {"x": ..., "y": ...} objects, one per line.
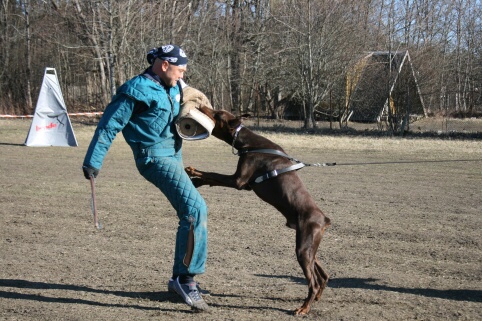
[{"x": 405, "y": 243}]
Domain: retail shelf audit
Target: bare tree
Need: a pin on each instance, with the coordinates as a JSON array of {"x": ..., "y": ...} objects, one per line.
[
  {"x": 28, "y": 59},
  {"x": 262, "y": 56},
  {"x": 5, "y": 42},
  {"x": 319, "y": 41}
]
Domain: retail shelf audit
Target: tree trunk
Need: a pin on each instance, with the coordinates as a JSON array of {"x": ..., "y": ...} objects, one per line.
[
  {"x": 28, "y": 59},
  {"x": 98, "y": 56}
]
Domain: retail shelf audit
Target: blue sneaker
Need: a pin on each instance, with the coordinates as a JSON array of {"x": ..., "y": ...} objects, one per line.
[{"x": 190, "y": 294}]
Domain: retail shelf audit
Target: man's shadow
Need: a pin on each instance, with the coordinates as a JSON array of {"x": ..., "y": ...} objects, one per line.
[{"x": 24, "y": 284}]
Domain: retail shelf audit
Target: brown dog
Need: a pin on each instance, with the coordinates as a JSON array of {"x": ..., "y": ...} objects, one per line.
[{"x": 278, "y": 184}]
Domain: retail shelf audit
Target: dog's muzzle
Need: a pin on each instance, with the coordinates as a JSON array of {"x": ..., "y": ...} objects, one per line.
[{"x": 192, "y": 124}]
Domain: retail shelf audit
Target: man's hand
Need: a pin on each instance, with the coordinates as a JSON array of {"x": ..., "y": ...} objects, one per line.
[{"x": 90, "y": 172}]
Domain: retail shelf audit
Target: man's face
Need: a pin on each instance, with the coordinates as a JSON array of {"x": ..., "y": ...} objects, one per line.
[{"x": 171, "y": 73}]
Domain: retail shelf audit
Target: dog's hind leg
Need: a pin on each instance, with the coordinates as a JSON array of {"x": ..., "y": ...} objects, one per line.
[
  {"x": 308, "y": 238},
  {"x": 322, "y": 277},
  {"x": 307, "y": 241}
]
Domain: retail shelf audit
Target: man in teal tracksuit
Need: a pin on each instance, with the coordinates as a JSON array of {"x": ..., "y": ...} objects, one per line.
[{"x": 144, "y": 109}]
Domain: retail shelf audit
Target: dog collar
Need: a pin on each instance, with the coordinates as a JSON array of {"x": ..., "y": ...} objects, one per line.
[{"x": 236, "y": 134}]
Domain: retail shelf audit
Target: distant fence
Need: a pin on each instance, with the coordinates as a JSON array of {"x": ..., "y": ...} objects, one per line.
[{"x": 435, "y": 125}]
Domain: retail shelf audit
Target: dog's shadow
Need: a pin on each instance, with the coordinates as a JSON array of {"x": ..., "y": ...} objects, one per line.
[{"x": 371, "y": 284}]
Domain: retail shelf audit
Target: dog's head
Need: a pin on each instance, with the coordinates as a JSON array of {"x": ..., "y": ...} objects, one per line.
[{"x": 225, "y": 123}]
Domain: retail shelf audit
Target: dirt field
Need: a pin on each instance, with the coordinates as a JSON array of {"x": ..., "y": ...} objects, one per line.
[{"x": 405, "y": 243}]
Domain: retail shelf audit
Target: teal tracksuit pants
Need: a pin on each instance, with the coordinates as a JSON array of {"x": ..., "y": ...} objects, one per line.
[{"x": 168, "y": 174}]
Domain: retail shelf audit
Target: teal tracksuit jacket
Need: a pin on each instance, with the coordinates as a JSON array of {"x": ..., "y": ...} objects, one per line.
[{"x": 145, "y": 110}]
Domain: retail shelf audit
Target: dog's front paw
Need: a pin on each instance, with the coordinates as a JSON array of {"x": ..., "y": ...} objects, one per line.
[{"x": 191, "y": 171}]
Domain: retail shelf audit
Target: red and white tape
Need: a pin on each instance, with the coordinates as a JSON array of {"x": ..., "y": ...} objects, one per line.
[
  {"x": 16, "y": 116},
  {"x": 70, "y": 114}
]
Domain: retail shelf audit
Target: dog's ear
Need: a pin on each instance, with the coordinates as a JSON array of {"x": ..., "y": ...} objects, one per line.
[
  {"x": 234, "y": 123},
  {"x": 238, "y": 120}
]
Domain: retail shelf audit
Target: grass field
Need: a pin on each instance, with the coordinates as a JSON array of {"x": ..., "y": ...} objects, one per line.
[{"x": 405, "y": 243}]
